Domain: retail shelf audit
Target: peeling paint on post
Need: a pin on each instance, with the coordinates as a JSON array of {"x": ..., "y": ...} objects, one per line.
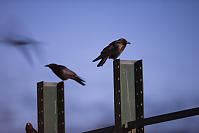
[
  {"x": 128, "y": 82},
  {"x": 50, "y": 103}
]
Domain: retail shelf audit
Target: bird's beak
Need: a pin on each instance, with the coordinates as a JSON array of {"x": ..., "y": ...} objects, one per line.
[
  {"x": 128, "y": 43},
  {"x": 46, "y": 65}
]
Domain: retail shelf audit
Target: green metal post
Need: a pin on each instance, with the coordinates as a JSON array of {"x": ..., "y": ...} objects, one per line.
[
  {"x": 50, "y": 103},
  {"x": 128, "y": 94}
]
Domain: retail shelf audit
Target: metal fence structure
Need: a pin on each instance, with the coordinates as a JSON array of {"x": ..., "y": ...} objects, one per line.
[
  {"x": 128, "y": 103},
  {"x": 50, "y": 105}
]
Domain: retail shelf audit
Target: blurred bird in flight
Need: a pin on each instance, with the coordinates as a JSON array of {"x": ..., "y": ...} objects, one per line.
[
  {"x": 24, "y": 44},
  {"x": 112, "y": 51},
  {"x": 64, "y": 73},
  {"x": 15, "y": 33}
]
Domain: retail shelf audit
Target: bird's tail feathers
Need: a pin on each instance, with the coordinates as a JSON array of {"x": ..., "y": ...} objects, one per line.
[
  {"x": 101, "y": 63},
  {"x": 79, "y": 80},
  {"x": 99, "y": 57}
]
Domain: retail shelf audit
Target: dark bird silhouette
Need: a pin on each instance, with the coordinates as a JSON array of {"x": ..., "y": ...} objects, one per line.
[
  {"x": 16, "y": 34},
  {"x": 64, "y": 73},
  {"x": 112, "y": 51},
  {"x": 30, "y": 129},
  {"x": 19, "y": 41},
  {"x": 24, "y": 45}
]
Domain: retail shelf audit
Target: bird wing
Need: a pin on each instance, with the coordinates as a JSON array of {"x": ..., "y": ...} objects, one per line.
[
  {"x": 109, "y": 48},
  {"x": 115, "y": 44},
  {"x": 24, "y": 50},
  {"x": 34, "y": 131},
  {"x": 72, "y": 75},
  {"x": 67, "y": 71}
]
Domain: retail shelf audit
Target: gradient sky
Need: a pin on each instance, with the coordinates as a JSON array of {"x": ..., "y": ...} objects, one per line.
[{"x": 165, "y": 35}]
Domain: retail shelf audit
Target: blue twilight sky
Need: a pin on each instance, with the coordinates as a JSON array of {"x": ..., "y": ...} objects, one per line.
[{"x": 165, "y": 35}]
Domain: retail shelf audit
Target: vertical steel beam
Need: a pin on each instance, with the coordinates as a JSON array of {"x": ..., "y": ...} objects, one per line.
[
  {"x": 40, "y": 107},
  {"x": 139, "y": 102},
  {"x": 117, "y": 96},
  {"x": 50, "y": 103},
  {"x": 128, "y": 93},
  {"x": 60, "y": 107}
]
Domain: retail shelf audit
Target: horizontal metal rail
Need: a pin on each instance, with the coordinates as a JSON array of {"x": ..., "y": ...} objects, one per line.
[
  {"x": 151, "y": 120},
  {"x": 110, "y": 129},
  {"x": 163, "y": 118}
]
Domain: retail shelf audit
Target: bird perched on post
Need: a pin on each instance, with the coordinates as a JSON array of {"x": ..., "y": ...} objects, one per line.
[
  {"x": 64, "y": 73},
  {"x": 30, "y": 129},
  {"x": 112, "y": 51}
]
